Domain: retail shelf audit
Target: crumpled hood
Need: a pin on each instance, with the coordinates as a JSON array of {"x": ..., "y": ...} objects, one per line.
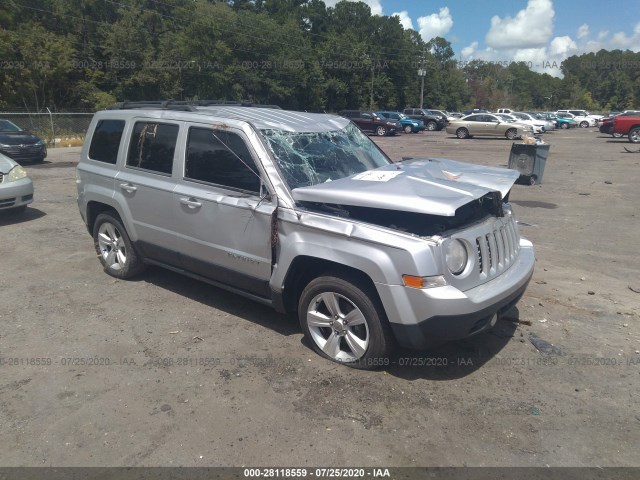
[
  {"x": 6, "y": 164},
  {"x": 435, "y": 186},
  {"x": 18, "y": 138}
]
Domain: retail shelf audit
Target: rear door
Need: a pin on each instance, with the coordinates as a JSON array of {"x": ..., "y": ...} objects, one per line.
[
  {"x": 145, "y": 185},
  {"x": 224, "y": 224},
  {"x": 365, "y": 122}
]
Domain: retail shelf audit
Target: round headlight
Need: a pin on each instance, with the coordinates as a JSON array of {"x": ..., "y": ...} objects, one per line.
[{"x": 456, "y": 256}]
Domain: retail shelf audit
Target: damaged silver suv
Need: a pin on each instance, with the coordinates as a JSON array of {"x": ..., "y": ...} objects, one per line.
[{"x": 305, "y": 213}]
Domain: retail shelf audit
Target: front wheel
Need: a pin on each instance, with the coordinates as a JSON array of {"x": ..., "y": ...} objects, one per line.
[
  {"x": 511, "y": 134},
  {"x": 345, "y": 322},
  {"x": 114, "y": 248},
  {"x": 584, "y": 124},
  {"x": 462, "y": 133},
  {"x": 634, "y": 135},
  {"x": 407, "y": 129},
  {"x": 617, "y": 135},
  {"x": 431, "y": 125},
  {"x": 381, "y": 131},
  {"x": 564, "y": 126}
]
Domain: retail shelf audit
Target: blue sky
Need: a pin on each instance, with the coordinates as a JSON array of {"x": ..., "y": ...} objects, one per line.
[{"x": 539, "y": 32}]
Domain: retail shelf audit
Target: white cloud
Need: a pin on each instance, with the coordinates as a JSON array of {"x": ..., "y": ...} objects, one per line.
[
  {"x": 405, "y": 19},
  {"x": 375, "y": 5},
  {"x": 530, "y": 28},
  {"x": 583, "y": 31},
  {"x": 435, "y": 25},
  {"x": 562, "y": 47},
  {"x": 468, "y": 51}
]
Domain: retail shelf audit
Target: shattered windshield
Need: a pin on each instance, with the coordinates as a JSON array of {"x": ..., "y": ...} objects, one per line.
[{"x": 310, "y": 158}]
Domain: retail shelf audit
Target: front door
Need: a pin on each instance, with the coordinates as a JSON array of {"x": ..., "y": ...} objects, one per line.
[{"x": 225, "y": 225}]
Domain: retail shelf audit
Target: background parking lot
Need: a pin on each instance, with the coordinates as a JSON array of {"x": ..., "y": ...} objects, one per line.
[{"x": 165, "y": 370}]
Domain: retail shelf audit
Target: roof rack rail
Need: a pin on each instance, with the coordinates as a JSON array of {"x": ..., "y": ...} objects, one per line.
[
  {"x": 184, "y": 105},
  {"x": 153, "y": 104}
]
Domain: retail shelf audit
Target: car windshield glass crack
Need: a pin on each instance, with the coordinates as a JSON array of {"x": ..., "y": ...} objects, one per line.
[{"x": 310, "y": 158}]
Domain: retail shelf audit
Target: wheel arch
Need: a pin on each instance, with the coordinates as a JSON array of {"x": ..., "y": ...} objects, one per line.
[
  {"x": 305, "y": 268},
  {"x": 95, "y": 208}
]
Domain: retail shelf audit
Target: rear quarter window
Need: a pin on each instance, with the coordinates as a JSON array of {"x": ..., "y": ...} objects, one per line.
[{"x": 105, "y": 141}]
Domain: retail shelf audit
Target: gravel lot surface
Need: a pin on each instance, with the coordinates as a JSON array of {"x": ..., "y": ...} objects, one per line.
[{"x": 167, "y": 371}]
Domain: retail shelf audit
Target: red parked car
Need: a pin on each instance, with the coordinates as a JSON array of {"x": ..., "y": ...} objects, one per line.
[{"x": 628, "y": 125}]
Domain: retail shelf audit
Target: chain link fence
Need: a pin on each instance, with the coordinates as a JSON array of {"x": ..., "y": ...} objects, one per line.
[{"x": 57, "y": 129}]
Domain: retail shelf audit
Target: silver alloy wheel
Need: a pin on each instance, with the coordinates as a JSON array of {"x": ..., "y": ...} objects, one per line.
[
  {"x": 338, "y": 327},
  {"x": 634, "y": 135},
  {"x": 431, "y": 126},
  {"x": 112, "y": 246}
]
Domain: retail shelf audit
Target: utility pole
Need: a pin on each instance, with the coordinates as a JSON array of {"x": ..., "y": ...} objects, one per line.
[
  {"x": 422, "y": 72},
  {"x": 373, "y": 66}
]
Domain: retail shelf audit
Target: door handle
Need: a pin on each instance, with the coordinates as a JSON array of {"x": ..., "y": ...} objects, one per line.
[
  {"x": 128, "y": 187},
  {"x": 190, "y": 202}
]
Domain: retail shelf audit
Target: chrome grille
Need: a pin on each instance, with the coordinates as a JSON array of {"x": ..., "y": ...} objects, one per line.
[
  {"x": 497, "y": 249},
  {"x": 1, "y": 177}
]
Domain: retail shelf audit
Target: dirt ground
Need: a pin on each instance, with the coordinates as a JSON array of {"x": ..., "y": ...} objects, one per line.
[{"x": 167, "y": 371}]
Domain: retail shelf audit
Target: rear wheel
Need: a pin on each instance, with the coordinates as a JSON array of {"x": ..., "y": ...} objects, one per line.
[
  {"x": 381, "y": 131},
  {"x": 634, "y": 135},
  {"x": 511, "y": 134},
  {"x": 114, "y": 248},
  {"x": 431, "y": 125},
  {"x": 617, "y": 135},
  {"x": 462, "y": 133},
  {"x": 344, "y": 322},
  {"x": 564, "y": 126}
]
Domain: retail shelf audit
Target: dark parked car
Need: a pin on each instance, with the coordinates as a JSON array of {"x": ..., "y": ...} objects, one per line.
[
  {"x": 431, "y": 122},
  {"x": 409, "y": 125},
  {"x": 369, "y": 121},
  {"x": 19, "y": 144}
]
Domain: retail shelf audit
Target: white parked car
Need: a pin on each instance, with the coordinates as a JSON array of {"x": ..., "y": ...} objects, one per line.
[
  {"x": 538, "y": 126},
  {"x": 583, "y": 118},
  {"x": 16, "y": 188},
  {"x": 508, "y": 117}
]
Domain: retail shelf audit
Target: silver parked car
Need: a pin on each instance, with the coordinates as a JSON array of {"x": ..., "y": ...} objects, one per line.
[
  {"x": 487, "y": 124},
  {"x": 303, "y": 212},
  {"x": 16, "y": 188}
]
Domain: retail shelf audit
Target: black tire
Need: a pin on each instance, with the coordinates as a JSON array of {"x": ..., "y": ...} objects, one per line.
[
  {"x": 354, "y": 299},
  {"x": 462, "y": 133},
  {"x": 127, "y": 262},
  {"x": 511, "y": 134},
  {"x": 564, "y": 126},
  {"x": 584, "y": 124},
  {"x": 408, "y": 129},
  {"x": 381, "y": 131},
  {"x": 634, "y": 135},
  {"x": 431, "y": 125}
]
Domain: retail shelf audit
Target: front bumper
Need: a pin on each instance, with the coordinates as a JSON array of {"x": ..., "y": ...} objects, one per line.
[
  {"x": 29, "y": 153},
  {"x": 425, "y": 318},
  {"x": 16, "y": 194}
]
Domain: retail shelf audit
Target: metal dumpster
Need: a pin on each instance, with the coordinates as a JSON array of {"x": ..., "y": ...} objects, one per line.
[{"x": 529, "y": 160}]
